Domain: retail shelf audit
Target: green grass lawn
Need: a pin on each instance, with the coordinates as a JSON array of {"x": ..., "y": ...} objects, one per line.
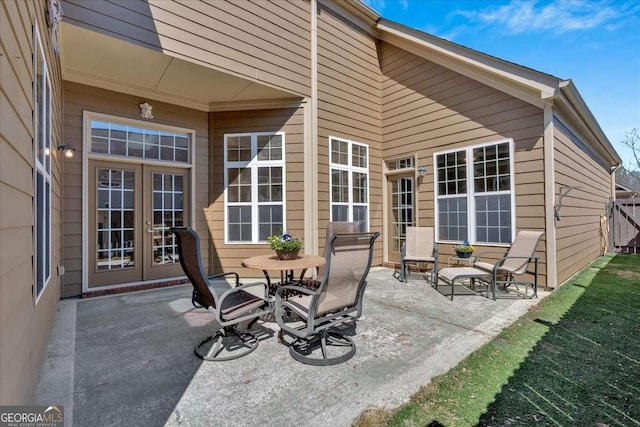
[{"x": 574, "y": 360}]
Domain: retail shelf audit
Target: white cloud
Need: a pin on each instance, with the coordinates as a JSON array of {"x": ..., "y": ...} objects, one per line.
[
  {"x": 559, "y": 16},
  {"x": 404, "y": 4}
]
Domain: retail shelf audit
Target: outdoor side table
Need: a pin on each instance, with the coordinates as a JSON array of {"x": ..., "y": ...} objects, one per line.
[
  {"x": 459, "y": 261},
  {"x": 457, "y": 276}
]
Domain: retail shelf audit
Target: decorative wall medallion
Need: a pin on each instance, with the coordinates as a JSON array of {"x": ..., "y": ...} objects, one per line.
[{"x": 145, "y": 111}]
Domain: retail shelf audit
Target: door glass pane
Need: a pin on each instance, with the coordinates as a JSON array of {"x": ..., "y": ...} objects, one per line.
[
  {"x": 401, "y": 210},
  {"x": 168, "y": 208},
  {"x": 114, "y": 219}
]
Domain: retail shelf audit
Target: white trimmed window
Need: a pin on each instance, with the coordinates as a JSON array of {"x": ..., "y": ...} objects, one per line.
[
  {"x": 42, "y": 169},
  {"x": 254, "y": 178},
  {"x": 475, "y": 194},
  {"x": 349, "y": 182}
]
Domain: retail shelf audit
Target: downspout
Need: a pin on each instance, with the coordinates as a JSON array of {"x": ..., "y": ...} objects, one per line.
[
  {"x": 614, "y": 169},
  {"x": 311, "y": 145},
  {"x": 549, "y": 197}
]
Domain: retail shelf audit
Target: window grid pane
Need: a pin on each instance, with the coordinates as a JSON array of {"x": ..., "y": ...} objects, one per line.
[
  {"x": 452, "y": 215},
  {"x": 42, "y": 180},
  {"x": 262, "y": 173},
  {"x": 401, "y": 210},
  {"x": 115, "y": 242},
  {"x": 168, "y": 211},
  {"x": 349, "y": 182},
  {"x": 339, "y": 152},
  {"x": 492, "y": 219},
  {"x": 452, "y": 173},
  {"x": 132, "y": 141}
]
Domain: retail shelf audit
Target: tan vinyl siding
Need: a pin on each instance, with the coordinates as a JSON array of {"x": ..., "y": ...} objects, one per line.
[
  {"x": 228, "y": 257},
  {"x": 427, "y": 108},
  {"x": 261, "y": 41},
  {"x": 348, "y": 107},
  {"x": 578, "y": 230},
  {"x": 79, "y": 98},
  {"x": 25, "y": 326}
]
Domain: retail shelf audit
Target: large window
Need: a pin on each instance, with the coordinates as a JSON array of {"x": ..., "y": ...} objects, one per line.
[
  {"x": 254, "y": 186},
  {"x": 349, "y": 167},
  {"x": 42, "y": 170},
  {"x": 474, "y": 193}
]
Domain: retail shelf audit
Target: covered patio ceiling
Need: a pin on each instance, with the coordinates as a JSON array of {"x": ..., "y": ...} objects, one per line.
[{"x": 98, "y": 60}]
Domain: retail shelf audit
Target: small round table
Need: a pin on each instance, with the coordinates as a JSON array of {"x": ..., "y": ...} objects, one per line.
[{"x": 285, "y": 267}]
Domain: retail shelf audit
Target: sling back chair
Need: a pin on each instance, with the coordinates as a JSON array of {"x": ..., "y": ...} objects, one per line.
[
  {"x": 419, "y": 247},
  {"x": 231, "y": 305},
  {"x": 515, "y": 263},
  {"x": 313, "y": 318},
  {"x": 335, "y": 227}
]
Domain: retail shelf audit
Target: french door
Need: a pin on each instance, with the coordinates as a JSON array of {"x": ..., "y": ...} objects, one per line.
[
  {"x": 401, "y": 192},
  {"x": 131, "y": 210}
]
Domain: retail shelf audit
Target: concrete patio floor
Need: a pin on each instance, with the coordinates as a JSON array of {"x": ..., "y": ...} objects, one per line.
[{"x": 128, "y": 359}]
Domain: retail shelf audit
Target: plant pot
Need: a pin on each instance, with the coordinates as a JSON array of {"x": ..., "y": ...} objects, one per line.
[
  {"x": 287, "y": 255},
  {"x": 463, "y": 254}
]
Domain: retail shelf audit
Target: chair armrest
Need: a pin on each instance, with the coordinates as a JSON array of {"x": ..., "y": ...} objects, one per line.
[
  {"x": 502, "y": 253},
  {"x": 242, "y": 288},
  {"x": 300, "y": 289},
  {"x": 229, "y": 273}
]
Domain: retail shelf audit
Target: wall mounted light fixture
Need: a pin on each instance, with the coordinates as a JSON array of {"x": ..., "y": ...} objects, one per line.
[
  {"x": 68, "y": 150},
  {"x": 422, "y": 170}
]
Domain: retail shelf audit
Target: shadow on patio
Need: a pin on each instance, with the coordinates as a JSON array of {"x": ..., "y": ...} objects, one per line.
[{"x": 130, "y": 359}]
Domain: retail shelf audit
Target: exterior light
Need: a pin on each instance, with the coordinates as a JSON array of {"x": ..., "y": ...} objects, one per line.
[
  {"x": 68, "y": 150},
  {"x": 422, "y": 170}
]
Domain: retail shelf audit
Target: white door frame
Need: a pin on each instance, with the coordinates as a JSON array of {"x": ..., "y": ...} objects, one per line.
[{"x": 87, "y": 117}]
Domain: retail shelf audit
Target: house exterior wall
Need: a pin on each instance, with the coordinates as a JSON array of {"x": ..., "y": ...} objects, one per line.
[
  {"x": 24, "y": 325},
  {"x": 267, "y": 42},
  {"x": 578, "y": 229},
  {"x": 427, "y": 108},
  {"x": 290, "y": 121},
  {"x": 349, "y": 108},
  {"x": 79, "y": 98}
]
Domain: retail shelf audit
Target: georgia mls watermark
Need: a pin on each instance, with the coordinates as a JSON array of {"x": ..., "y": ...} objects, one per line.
[{"x": 32, "y": 416}]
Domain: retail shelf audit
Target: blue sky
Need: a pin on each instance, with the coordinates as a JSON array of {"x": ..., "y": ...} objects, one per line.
[{"x": 596, "y": 43}]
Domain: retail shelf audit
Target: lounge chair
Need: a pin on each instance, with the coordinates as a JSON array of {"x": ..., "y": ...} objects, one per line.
[
  {"x": 514, "y": 263},
  {"x": 313, "y": 319},
  {"x": 231, "y": 305},
  {"x": 419, "y": 247}
]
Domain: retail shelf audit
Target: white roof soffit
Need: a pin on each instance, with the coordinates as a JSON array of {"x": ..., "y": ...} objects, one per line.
[
  {"x": 524, "y": 83},
  {"x": 570, "y": 102},
  {"x": 98, "y": 60}
]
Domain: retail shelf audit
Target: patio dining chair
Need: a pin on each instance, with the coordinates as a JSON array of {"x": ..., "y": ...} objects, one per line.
[
  {"x": 230, "y": 305},
  {"x": 335, "y": 227},
  {"x": 514, "y": 263},
  {"x": 314, "y": 319},
  {"x": 419, "y": 247}
]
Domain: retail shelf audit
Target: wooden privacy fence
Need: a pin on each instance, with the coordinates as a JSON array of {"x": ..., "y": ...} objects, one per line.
[{"x": 624, "y": 226}]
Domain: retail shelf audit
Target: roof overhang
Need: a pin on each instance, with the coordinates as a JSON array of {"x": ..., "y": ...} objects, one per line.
[{"x": 98, "y": 60}]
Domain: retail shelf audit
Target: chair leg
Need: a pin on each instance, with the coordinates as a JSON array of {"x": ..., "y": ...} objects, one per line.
[
  {"x": 226, "y": 344},
  {"x": 325, "y": 349}
]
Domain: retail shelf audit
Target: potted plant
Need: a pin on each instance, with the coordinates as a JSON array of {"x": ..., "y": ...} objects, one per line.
[
  {"x": 286, "y": 246},
  {"x": 464, "y": 250}
]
